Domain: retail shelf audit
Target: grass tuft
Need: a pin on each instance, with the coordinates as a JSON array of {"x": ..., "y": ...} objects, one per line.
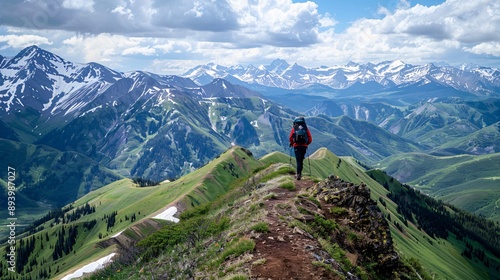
[
  {"x": 236, "y": 249},
  {"x": 261, "y": 227},
  {"x": 259, "y": 261},
  {"x": 288, "y": 186}
]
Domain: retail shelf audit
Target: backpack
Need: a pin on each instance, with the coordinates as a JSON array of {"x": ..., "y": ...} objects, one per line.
[{"x": 300, "y": 131}]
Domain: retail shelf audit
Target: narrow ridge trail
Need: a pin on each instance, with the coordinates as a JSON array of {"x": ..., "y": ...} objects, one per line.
[{"x": 287, "y": 252}]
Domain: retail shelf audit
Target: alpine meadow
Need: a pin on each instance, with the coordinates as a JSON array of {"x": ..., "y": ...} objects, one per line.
[{"x": 192, "y": 176}]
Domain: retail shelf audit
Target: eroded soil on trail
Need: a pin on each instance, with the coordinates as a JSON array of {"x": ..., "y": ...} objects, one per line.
[{"x": 287, "y": 252}]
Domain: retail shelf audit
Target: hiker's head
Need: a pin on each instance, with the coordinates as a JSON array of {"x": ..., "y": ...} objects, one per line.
[{"x": 299, "y": 120}]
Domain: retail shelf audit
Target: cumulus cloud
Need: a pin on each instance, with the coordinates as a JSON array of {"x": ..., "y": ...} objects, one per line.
[
  {"x": 485, "y": 48},
  {"x": 466, "y": 21},
  {"x": 124, "y": 12},
  {"x": 22, "y": 41},
  {"x": 248, "y": 23},
  {"x": 146, "y": 17},
  {"x": 87, "y": 5},
  {"x": 279, "y": 23},
  {"x": 251, "y": 31},
  {"x": 213, "y": 16},
  {"x": 417, "y": 34},
  {"x": 147, "y": 51},
  {"x": 103, "y": 47}
]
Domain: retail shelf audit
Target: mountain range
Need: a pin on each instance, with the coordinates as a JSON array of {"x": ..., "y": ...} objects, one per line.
[
  {"x": 140, "y": 124},
  {"x": 367, "y": 78},
  {"x": 70, "y": 129}
]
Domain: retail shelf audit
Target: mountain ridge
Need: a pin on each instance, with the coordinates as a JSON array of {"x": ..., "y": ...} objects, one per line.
[
  {"x": 217, "y": 223},
  {"x": 476, "y": 80}
]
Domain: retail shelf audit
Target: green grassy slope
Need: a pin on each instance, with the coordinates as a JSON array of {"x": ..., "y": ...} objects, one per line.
[
  {"x": 440, "y": 258},
  {"x": 466, "y": 181},
  {"x": 132, "y": 205},
  {"x": 436, "y": 233},
  {"x": 222, "y": 182},
  {"x": 481, "y": 142}
]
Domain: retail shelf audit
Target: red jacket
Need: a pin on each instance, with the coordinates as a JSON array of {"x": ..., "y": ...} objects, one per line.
[{"x": 309, "y": 138}]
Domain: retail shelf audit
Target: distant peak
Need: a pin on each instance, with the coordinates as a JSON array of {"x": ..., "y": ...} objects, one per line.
[
  {"x": 279, "y": 62},
  {"x": 220, "y": 82},
  {"x": 352, "y": 64},
  {"x": 36, "y": 52},
  {"x": 31, "y": 48},
  {"x": 397, "y": 63},
  {"x": 468, "y": 66},
  {"x": 30, "y": 51}
]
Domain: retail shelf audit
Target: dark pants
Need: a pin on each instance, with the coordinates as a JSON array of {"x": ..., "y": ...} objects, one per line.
[{"x": 300, "y": 154}]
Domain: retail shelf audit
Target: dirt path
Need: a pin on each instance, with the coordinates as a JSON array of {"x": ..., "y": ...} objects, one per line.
[{"x": 288, "y": 252}]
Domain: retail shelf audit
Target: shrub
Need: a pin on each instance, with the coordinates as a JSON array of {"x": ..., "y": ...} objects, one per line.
[
  {"x": 196, "y": 211},
  {"x": 191, "y": 231},
  {"x": 338, "y": 211},
  {"x": 261, "y": 227},
  {"x": 324, "y": 226}
]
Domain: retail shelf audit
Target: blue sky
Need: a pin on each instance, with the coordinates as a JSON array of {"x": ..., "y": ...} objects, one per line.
[
  {"x": 346, "y": 12},
  {"x": 170, "y": 37}
]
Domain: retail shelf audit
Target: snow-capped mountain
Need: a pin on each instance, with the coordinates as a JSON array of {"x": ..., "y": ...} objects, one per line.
[
  {"x": 160, "y": 125},
  {"x": 54, "y": 84},
  {"x": 468, "y": 78},
  {"x": 140, "y": 123},
  {"x": 50, "y": 85}
]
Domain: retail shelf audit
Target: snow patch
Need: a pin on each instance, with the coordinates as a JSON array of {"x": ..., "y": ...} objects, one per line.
[
  {"x": 91, "y": 110},
  {"x": 168, "y": 215},
  {"x": 91, "y": 267}
]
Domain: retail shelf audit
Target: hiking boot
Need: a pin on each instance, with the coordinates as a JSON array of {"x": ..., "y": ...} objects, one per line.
[{"x": 298, "y": 176}]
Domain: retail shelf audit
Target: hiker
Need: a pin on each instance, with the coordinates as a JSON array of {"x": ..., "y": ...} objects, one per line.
[{"x": 300, "y": 138}]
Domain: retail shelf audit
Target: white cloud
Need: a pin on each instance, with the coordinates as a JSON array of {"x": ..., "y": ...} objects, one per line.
[
  {"x": 102, "y": 47},
  {"x": 121, "y": 10},
  {"x": 172, "y": 66},
  {"x": 485, "y": 48},
  {"x": 470, "y": 21},
  {"x": 87, "y": 5},
  {"x": 147, "y": 51},
  {"x": 417, "y": 34},
  {"x": 22, "y": 41},
  {"x": 173, "y": 46},
  {"x": 227, "y": 32},
  {"x": 196, "y": 11},
  {"x": 279, "y": 23}
]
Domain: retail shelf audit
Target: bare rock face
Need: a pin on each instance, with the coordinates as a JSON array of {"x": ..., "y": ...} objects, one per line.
[{"x": 363, "y": 230}]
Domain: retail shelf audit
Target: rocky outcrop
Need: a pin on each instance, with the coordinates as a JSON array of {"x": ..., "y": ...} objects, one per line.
[{"x": 363, "y": 231}]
